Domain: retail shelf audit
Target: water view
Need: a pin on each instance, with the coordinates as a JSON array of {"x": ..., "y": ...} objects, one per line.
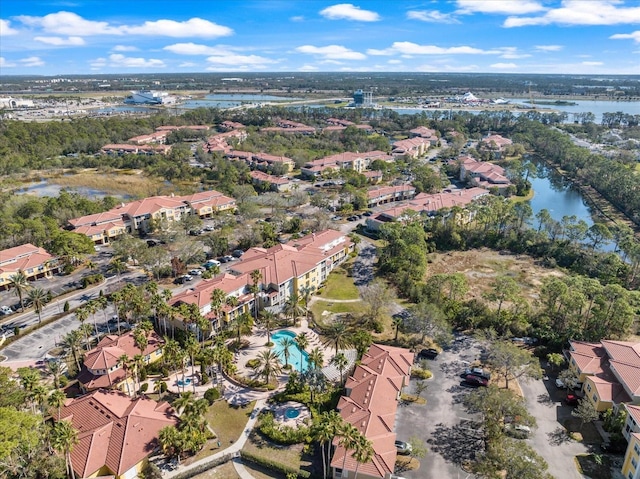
[
  {"x": 583, "y": 106},
  {"x": 297, "y": 358},
  {"x": 45, "y": 188},
  {"x": 230, "y": 100}
]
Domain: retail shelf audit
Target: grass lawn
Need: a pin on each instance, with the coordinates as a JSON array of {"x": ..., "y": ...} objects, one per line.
[
  {"x": 322, "y": 305},
  {"x": 595, "y": 469},
  {"x": 227, "y": 422},
  {"x": 588, "y": 431},
  {"x": 339, "y": 286},
  {"x": 224, "y": 471},
  {"x": 288, "y": 455}
]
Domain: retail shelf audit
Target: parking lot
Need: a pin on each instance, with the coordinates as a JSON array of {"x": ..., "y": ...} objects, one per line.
[{"x": 449, "y": 432}]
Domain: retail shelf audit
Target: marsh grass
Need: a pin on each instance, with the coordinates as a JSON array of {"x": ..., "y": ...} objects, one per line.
[{"x": 129, "y": 182}]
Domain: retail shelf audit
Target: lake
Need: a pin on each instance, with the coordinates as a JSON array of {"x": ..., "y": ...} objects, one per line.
[
  {"x": 44, "y": 188},
  {"x": 583, "y": 106},
  {"x": 230, "y": 100}
]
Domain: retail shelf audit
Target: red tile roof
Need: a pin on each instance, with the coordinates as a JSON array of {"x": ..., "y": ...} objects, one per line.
[
  {"x": 371, "y": 406},
  {"x": 114, "y": 430},
  {"x": 23, "y": 257},
  {"x": 609, "y": 390}
]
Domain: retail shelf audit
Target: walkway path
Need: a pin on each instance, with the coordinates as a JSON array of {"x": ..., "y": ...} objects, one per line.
[{"x": 233, "y": 449}]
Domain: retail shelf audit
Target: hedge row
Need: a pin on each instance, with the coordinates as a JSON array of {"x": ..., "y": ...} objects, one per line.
[
  {"x": 273, "y": 465},
  {"x": 204, "y": 467}
]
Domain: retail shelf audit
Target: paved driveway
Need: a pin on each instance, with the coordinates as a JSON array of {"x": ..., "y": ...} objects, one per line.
[
  {"x": 544, "y": 402},
  {"x": 448, "y": 431}
]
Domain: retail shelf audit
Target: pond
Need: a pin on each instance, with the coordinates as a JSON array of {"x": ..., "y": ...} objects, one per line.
[
  {"x": 45, "y": 188},
  {"x": 556, "y": 194}
]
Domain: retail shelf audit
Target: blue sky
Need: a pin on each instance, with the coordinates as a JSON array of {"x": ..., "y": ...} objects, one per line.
[{"x": 140, "y": 36}]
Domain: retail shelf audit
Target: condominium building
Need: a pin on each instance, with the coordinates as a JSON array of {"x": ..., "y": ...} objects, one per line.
[{"x": 33, "y": 261}]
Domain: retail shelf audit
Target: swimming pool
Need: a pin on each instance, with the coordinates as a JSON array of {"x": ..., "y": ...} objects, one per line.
[{"x": 295, "y": 359}]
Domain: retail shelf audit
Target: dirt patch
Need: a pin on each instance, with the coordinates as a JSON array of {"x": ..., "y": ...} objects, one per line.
[{"x": 481, "y": 266}]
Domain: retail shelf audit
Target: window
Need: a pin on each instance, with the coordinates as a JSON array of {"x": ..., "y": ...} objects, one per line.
[
  {"x": 636, "y": 449},
  {"x": 630, "y": 476},
  {"x": 595, "y": 398},
  {"x": 588, "y": 387}
]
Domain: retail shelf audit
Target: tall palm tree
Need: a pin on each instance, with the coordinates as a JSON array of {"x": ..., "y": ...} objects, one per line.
[
  {"x": 56, "y": 399},
  {"x": 38, "y": 299},
  {"x": 232, "y": 302},
  {"x": 140, "y": 339},
  {"x": 92, "y": 308},
  {"x": 349, "y": 435},
  {"x": 54, "y": 368},
  {"x": 316, "y": 358},
  {"x": 243, "y": 325},
  {"x": 63, "y": 437},
  {"x": 293, "y": 308},
  {"x": 82, "y": 314},
  {"x": 218, "y": 297},
  {"x": 286, "y": 343},
  {"x": 192, "y": 347},
  {"x": 160, "y": 387},
  {"x": 39, "y": 395},
  {"x": 126, "y": 367},
  {"x": 337, "y": 336},
  {"x": 102, "y": 303},
  {"x": 184, "y": 402},
  {"x": 268, "y": 319},
  {"x": 363, "y": 452},
  {"x": 118, "y": 267},
  {"x": 116, "y": 299},
  {"x": 20, "y": 283},
  {"x": 138, "y": 364},
  {"x": 256, "y": 276},
  {"x": 268, "y": 365},
  {"x": 72, "y": 342},
  {"x": 303, "y": 342},
  {"x": 341, "y": 362},
  {"x": 305, "y": 293},
  {"x": 324, "y": 429}
]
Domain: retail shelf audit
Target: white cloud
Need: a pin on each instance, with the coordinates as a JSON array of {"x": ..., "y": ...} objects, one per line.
[
  {"x": 124, "y": 48},
  {"x": 32, "y": 62},
  {"x": 69, "y": 23},
  {"x": 5, "y": 29},
  {"x": 592, "y": 64},
  {"x": 195, "y": 49},
  {"x": 117, "y": 60},
  {"x": 446, "y": 68},
  {"x": 347, "y": 11},
  {"x": 499, "y": 7},
  {"x": 548, "y": 48},
  {"x": 635, "y": 36},
  {"x": 308, "y": 68},
  {"x": 239, "y": 60},
  {"x": 581, "y": 12},
  {"x": 394, "y": 62},
  {"x": 4, "y": 63},
  {"x": 297, "y": 18},
  {"x": 511, "y": 53},
  {"x": 504, "y": 66},
  {"x": 188, "y": 65},
  {"x": 431, "y": 16},
  {"x": 409, "y": 48},
  {"x": 59, "y": 41},
  {"x": 332, "y": 52}
]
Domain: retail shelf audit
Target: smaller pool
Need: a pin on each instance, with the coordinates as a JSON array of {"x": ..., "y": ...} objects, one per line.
[
  {"x": 185, "y": 382},
  {"x": 291, "y": 413}
]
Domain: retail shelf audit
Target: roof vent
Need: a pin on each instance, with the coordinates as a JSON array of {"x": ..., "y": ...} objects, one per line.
[{"x": 364, "y": 423}]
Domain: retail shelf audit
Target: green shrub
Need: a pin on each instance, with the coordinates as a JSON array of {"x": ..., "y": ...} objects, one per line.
[
  {"x": 143, "y": 388},
  {"x": 281, "y": 434},
  {"x": 211, "y": 395},
  {"x": 253, "y": 363},
  {"x": 63, "y": 381},
  {"x": 66, "y": 307},
  {"x": 273, "y": 465},
  {"x": 420, "y": 373}
]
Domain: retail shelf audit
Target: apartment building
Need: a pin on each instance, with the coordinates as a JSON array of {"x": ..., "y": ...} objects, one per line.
[
  {"x": 120, "y": 149},
  {"x": 343, "y": 161},
  {"x": 387, "y": 194},
  {"x": 32, "y": 260},
  {"x": 412, "y": 147},
  {"x": 483, "y": 174},
  {"x": 135, "y": 216},
  {"x": 370, "y": 404},
  {"x": 270, "y": 182},
  {"x": 261, "y": 161}
]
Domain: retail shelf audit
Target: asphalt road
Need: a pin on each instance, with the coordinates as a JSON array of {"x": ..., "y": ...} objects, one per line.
[
  {"x": 544, "y": 402},
  {"x": 448, "y": 431}
]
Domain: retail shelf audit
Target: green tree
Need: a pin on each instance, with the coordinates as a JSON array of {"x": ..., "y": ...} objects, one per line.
[
  {"x": 38, "y": 299},
  {"x": 555, "y": 359},
  {"x": 503, "y": 288},
  {"x": 585, "y": 411},
  {"x": 19, "y": 283},
  {"x": 316, "y": 358},
  {"x": 268, "y": 365},
  {"x": 303, "y": 342},
  {"x": 509, "y": 361},
  {"x": 341, "y": 362},
  {"x": 285, "y": 343},
  {"x": 325, "y": 427},
  {"x": 56, "y": 400},
  {"x": 63, "y": 438}
]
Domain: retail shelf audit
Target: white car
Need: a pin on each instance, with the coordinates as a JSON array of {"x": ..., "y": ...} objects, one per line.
[
  {"x": 560, "y": 384},
  {"x": 195, "y": 272},
  {"x": 6, "y": 310}
]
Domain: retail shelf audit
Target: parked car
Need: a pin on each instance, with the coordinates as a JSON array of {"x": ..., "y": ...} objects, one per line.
[
  {"x": 195, "y": 272},
  {"x": 403, "y": 448},
  {"x": 476, "y": 381},
  {"x": 367, "y": 213},
  {"x": 6, "y": 310},
  {"x": 560, "y": 384},
  {"x": 571, "y": 399},
  {"x": 519, "y": 431},
  {"x": 229, "y": 258},
  {"x": 428, "y": 354},
  {"x": 237, "y": 253},
  {"x": 209, "y": 228},
  {"x": 479, "y": 372}
]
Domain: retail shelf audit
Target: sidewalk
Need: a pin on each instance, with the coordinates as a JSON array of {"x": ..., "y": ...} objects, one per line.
[{"x": 234, "y": 448}]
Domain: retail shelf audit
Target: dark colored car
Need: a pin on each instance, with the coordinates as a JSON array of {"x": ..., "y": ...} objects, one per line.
[
  {"x": 481, "y": 373},
  {"x": 428, "y": 354},
  {"x": 237, "y": 253},
  {"x": 476, "y": 381}
]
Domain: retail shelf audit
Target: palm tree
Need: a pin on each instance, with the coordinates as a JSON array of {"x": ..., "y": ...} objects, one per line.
[
  {"x": 267, "y": 319},
  {"x": 38, "y": 299},
  {"x": 337, "y": 336},
  {"x": 341, "y": 362},
  {"x": 218, "y": 297},
  {"x": 305, "y": 293},
  {"x": 324, "y": 430},
  {"x": 56, "y": 399},
  {"x": 268, "y": 365},
  {"x": 256, "y": 276},
  {"x": 184, "y": 402},
  {"x": 20, "y": 283},
  {"x": 63, "y": 437},
  {"x": 118, "y": 267},
  {"x": 349, "y": 435},
  {"x": 54, "y": 368},
  {"x": 39, "y": 395},
  {"x": 397, "y": 322},
  {"x": 116, "y": 298},
  {"x": 92, "y": 309},
  {"x": 363, "y": 452},
  {"x": 243, "y": 325},
  {"x": 302, "y": 341},
  {"x": 138, "y": 364},
  {"x": 286, "y": 343},
  {"x": 72, "y": 342},
  {"x": 316, "y": 358},
  {"x": 160, "y": 387},
  {"x": 125, "y": 363},
  {"x": 192, "y": 348},
  {"x": 171, "y": 441},
  {"x": 82, "y": 314},
  {"x": 292, "y": 308},
  {"x": 232, "y": 302},
  {"x": 140, "y": 339}
]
